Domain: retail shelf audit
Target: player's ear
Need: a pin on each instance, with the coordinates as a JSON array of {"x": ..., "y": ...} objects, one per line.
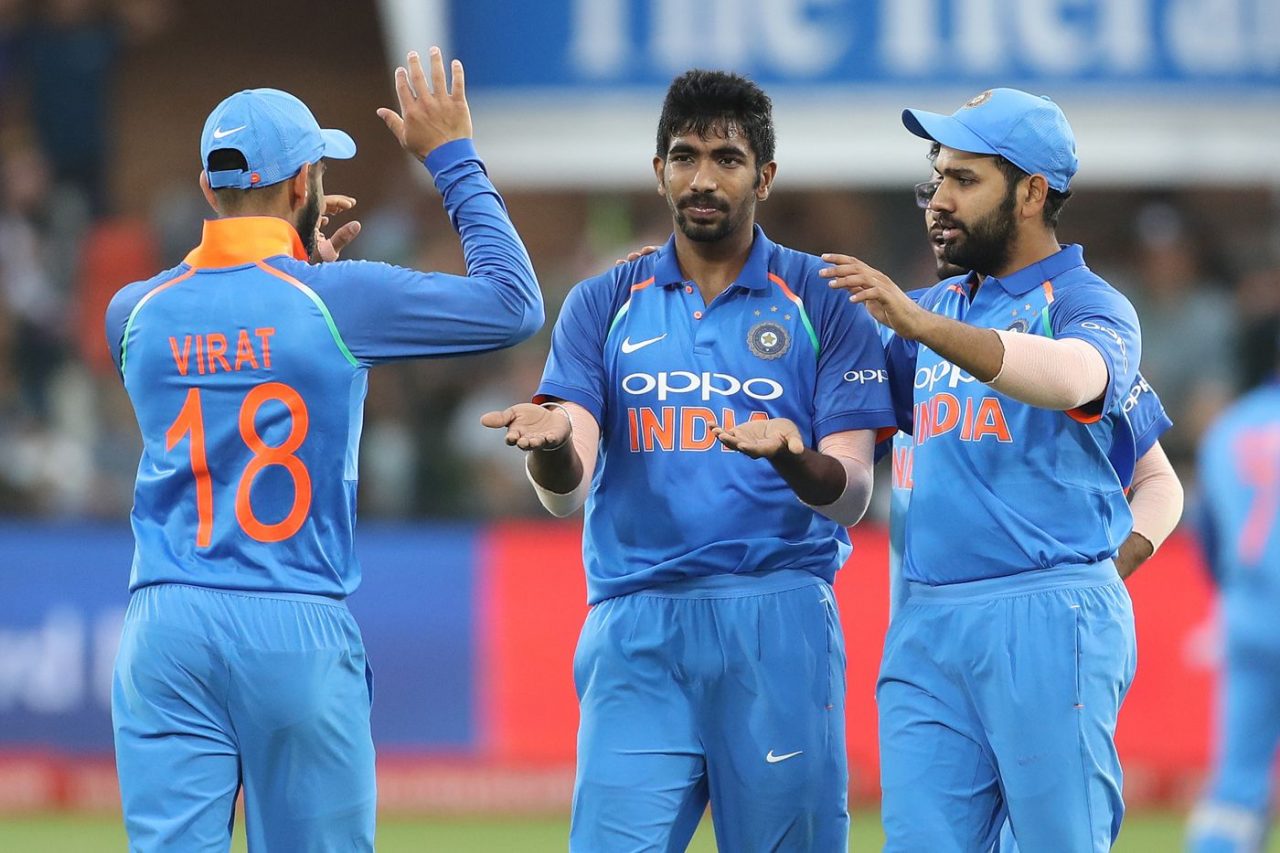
[
  {"x": 765, "y": 182},
  {"x": 208, "y": 191},
  {"x": 1034, "y": 195},
  {"x": 299, "y": 187},
  {"x": 658, "y": 166}
]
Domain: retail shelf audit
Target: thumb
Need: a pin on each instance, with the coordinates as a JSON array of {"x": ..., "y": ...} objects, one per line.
[
  {"x": 393, "y": 121},
  {"x": 496, "y": 420},
  {"x": 795, "y": 445},
  {"x": 344, "y": 235}
]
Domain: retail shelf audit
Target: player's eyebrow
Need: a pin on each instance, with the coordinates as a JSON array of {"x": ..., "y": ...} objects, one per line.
[
  {"x": 725, "y": 149},
  {"x": 729, "y": 150},
  {"x": 956, "y": 172}
]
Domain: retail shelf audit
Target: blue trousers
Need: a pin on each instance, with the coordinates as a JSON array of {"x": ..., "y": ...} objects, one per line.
[
  {"x": 1233, "y": 817},
  {"x": 214, "y": 691},
  {"x": 728, "y": 689},
  {"x": 998, "y": 700}
]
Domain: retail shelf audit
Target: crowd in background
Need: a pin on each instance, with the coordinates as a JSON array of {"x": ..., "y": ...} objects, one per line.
[{"x": 1202, "y": 267}]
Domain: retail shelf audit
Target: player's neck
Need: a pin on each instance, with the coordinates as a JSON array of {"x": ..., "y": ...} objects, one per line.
[
  {"x": 714, "y": 266},
  {"x": 1031, "y": 247}
]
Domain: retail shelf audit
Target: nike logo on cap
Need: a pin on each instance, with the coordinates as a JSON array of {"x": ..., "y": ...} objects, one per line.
[
  {"x": 774, "y": 759},
  {"x": 218, "y": 132},
  {"x": 628, "y": 347}
]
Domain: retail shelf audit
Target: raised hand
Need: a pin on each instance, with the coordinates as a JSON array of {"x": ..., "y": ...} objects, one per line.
[
  {"x": 884, "y": 299},
  {"x": 531, "y": 427},
  {"x": 430, "y": 114},
  {"x": 328, "y": 248},
  {"x": 762, "y": 439}
]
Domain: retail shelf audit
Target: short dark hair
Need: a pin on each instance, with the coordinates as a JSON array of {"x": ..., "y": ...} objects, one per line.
[
  {"x": 698, "y": 100},
  {"x": 1053, "y": 202}
]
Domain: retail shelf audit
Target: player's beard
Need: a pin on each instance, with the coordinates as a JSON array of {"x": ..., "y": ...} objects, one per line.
[
  {"x": 985, "y": 246},
  {"x": 309, "y": 221},
  {"x": 711, "y": 232}
]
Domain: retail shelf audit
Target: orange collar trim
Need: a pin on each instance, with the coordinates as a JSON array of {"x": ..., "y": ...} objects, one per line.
[{"x": 244, "y": 240}]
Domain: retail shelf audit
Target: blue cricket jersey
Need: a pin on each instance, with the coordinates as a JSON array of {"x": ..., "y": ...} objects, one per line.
[
  {"x": 1147, "y": 422},
  {"x": 1001, "y": 487},
  {"x": 247, "y": 370},
  {"x": 1239, "y": 468},
  {"x": 656, "y": 367}
]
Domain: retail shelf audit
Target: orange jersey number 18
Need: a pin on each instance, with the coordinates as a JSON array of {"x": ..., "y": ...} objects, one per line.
[{"x": 190, "y": 420}]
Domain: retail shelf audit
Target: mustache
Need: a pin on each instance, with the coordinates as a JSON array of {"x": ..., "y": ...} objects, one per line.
[
  {"x": 942, "y": 221},
  {"x": 702, "y": 200}
]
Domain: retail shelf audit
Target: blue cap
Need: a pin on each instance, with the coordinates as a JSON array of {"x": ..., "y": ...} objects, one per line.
[
  {"x": 274, "y": 131},
  {"x": 1029, "y": 131}
]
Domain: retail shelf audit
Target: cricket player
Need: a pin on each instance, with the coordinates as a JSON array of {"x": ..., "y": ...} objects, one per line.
[
  {"x": 240, "y": 667},
  {"x": 711, "y": 664},
  {"x": 1154, "y": 480},
  {"x": 1004, "y": 671},
  {"x": 1240, "y": 507}
]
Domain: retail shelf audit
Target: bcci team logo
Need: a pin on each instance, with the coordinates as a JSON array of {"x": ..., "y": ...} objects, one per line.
[
  {"x": 978, "y": 100},
  {"x": 769, "y": 340},
  {"x": 1020, "y": 325}
]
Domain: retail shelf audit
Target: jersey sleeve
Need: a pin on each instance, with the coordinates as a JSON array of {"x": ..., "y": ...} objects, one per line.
[
  {"x": 384, "y": 312},
  {"x": 900, "y": 361},
  {"x": 121, "y": 308},
  {"x": 1147, "y": 417},
  {"x": 575, "y": 366},
  {"x": 852, "y": 385},
  {"x": 1101, "y": 316},
  {"x": 117, "y": 320}
]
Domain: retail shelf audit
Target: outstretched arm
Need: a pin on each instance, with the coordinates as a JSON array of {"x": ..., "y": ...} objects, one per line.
[
  {"x": 1050, "y": 374},
  {"x": 562, "y": 440},
  {"x": 834, "y": 480}
]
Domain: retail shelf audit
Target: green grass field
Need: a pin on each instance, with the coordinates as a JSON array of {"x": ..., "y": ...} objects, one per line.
[{"x": 1144, "y": 832}]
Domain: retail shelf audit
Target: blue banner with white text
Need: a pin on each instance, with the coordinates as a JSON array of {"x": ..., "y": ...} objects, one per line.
[
  {"x": 604, "y": 45},
  {"x": 65, "y": 594}
]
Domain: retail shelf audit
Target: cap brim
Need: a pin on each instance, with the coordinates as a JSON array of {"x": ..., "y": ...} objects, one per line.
[
  {"x": 945, "y": 130},
  {"x": 337, "y": 144}
]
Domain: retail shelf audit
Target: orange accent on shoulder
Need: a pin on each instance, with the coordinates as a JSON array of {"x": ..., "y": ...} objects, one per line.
[
  {"x": 1048, "y": 291},
  {"x": 957, "y": 288},
  {"x": 642, "y": 285},
  {"x": 786, "y": 291},
  {"x": 885, "y": 433},
  {"x": 168, "y": 284},
  {"x": 283, "y": 276},
  {"x": 241, "y": 240}
]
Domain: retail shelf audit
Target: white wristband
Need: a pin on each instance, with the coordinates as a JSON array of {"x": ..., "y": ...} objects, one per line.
[{"x": 567, "y": 438}]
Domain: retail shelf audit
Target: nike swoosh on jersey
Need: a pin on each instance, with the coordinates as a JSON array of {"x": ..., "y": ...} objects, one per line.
[
  {"x": 774, "y": 759},
  {"x": 628, "y": 347},
  {"x": 219, "y": 133}
]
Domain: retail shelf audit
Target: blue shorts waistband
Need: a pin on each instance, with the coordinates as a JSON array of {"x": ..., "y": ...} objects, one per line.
[
  {"x": 304, "y": 597},
  {"x": 733, "y": 584},
  {"x": 1023, "y": 583}
]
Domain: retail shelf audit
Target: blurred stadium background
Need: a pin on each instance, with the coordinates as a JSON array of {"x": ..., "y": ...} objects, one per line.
[{"x": 472, "y": 598}]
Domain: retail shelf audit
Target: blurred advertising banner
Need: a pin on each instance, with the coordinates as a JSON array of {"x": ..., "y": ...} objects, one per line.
[
  {"x": 567, "y": 92},
  {"x": 471, "y": 633},
  {"x": 66, "y": 593},
  {"x": 603, "y": 44}
]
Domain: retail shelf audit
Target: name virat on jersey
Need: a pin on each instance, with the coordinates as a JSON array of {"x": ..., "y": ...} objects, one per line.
[{"x": 253, "y": 350}]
